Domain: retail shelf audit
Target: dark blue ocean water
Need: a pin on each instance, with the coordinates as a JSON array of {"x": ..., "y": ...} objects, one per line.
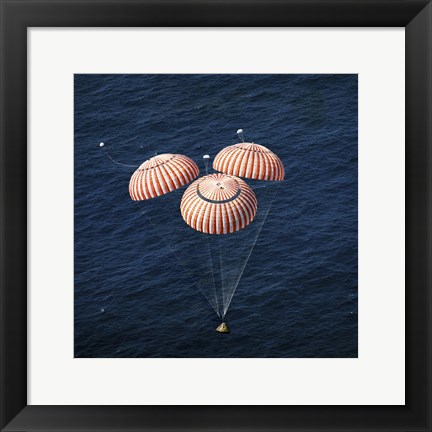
[{"x": 134, "y": 294}]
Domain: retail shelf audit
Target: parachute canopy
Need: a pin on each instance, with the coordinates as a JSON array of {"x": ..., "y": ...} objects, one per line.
[
  {"x": 249, "y": 160},
  {"x": 161, "y": 174},
  {"x": 218, "y": 204}
]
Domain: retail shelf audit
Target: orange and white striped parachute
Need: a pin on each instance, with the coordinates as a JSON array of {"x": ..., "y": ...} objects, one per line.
[
  {"x": 162, "y": 174},
  {"x": 249, "y": 160},
  {"x": 218, "y": 204}
]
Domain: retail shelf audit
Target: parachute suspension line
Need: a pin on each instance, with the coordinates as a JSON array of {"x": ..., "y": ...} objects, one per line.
[
  {"x": 226, "y": 306},
  {"x": 221, "y": 276},
  {"x": 214, "y": 282},
  {"x": 212, "y": 304},
  {"x": 119, "y": 163},
  {"x": 102, "y": 145}
]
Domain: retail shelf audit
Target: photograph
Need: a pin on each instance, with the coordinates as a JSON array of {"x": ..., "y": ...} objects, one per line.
[{"x": 215, "y": 216}]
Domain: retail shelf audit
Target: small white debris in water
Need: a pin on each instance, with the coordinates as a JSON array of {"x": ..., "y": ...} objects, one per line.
[
  {"x": 206, "y": 157},
  {"x": 101, "y": 144},
  {"x": 102, "y": 310}
]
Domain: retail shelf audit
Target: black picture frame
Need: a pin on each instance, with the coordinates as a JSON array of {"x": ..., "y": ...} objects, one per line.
[{"x": 17, "y": 16}]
